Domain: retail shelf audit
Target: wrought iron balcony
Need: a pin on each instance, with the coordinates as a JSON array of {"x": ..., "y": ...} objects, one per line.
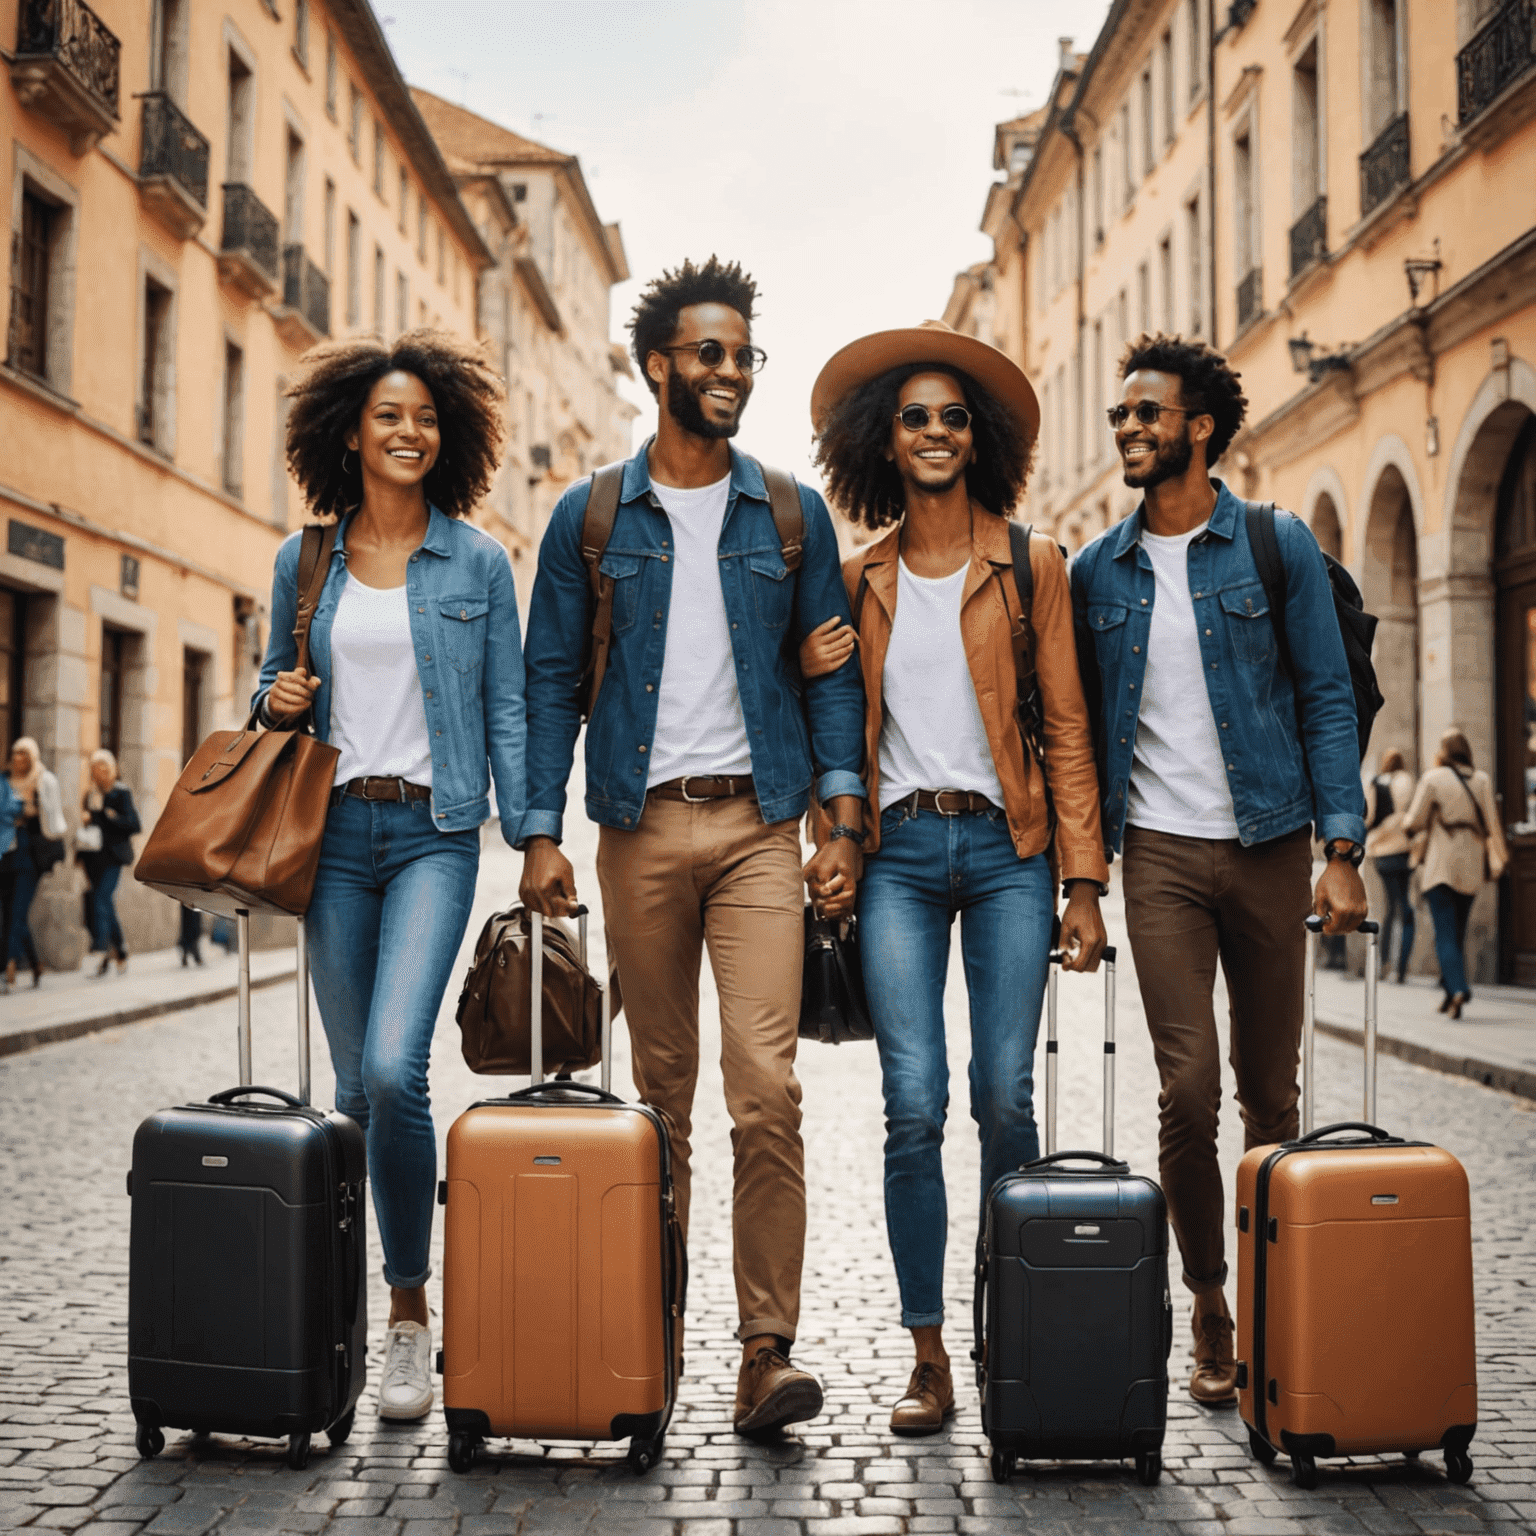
[
  {"x": 1250, "y": 297},
  {"x": 304, "y": 317},
  {"x": 1498, "y": 54},
  {"x": 173, "y": 166},
  {"x": 1384, "y": 166},
  {"x": 248, "y": 255},
  {"x": 1309, "y": 237},
  {"x": 66, "y": 68}
]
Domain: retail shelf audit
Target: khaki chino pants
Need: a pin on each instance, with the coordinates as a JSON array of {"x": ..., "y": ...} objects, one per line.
[
  {"x": 713, "y": 874},
  {"x": 1190, "y": 902}
]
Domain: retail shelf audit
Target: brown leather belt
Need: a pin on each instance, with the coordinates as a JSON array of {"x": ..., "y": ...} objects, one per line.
[
  {"x": 949, "y": 802},
  {"x": 380, "y": 789},
  {"x": 696, "y": 787}
]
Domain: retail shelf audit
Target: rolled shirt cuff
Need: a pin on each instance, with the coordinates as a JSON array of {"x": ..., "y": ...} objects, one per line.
[
  {"x": 539, "y": 824},
  {"x": 1350, "y": 828},
  {"x": 840, "y": 782}
]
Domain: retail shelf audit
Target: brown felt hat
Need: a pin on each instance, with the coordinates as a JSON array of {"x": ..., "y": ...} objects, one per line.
[{"x": 931, "y": 342}]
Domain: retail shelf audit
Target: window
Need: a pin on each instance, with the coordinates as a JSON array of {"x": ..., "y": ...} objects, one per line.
[
  {"x": 378, "y": 159},
  {"x": 114, "y": 669},
  {"x": 234, "y": 419},
  {"x": 1306, "y": 145},
  {"x": 29, "y": 286},
  {"x": 1123, "y": 119},
  {"x": 155, "y": 398},
  {"x": 13, "y": 668},
  {"x": 332, "y": 75},
  {"x": 1243, "y": 195},
  {"x": 241, "y": 119},
  {"x": 1148, "y": 135},
  {"x": 301, "y": 31},
  {"x": 1165, "y": 282},
  {"x": 355, "y": 127},
  {"x": 378, "y": 289},
  {"x": 1098, "y": 194},
  {"x": 402, "y": 302},
  {"x": 1193, "y": 244},
  {"x": 1192, "y": 41},
  {"x": 1096, "y": 419},
  {"x": 405, "y": 199},
  {"x": 1061, "y": 421},
  {"x": 421, "y": 227},
  {"x": 1165, "y": 81},
  {"x": 421, "y": 313},
  {"x": 1122, "y": 318},
  {"x": 442, "y": 256},
  {"x": 1144, "y": 296},
  {"x": 330, "y": 226},
  {"x": 194, "y": 669},
  {"x": 168, "y": 45},
  {"x": 293, "y": 191},
  {"x": 1381, "y": 44},
  {"x": 354, "y": 270}
]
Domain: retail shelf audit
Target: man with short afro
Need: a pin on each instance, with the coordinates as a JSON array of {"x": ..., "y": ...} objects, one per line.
[
  {"x": 1219, "y": 752},
  {"x": 703, "y": 745}
]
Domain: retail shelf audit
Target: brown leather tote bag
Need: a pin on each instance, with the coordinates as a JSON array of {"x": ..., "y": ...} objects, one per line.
[
  {"x": 241, "y": 831},
  {"x": 495, "y": 1016}
]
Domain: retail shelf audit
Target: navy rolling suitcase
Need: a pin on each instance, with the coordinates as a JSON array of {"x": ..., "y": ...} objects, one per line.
[
  {"x": 1074, "y": 1320},
  {"x": 246, "y": 1273}
]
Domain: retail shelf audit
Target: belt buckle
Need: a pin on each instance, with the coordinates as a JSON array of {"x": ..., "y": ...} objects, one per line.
[
  {"x": 365, "y": 796},
  {"x": 938, "y": 801},
  {"x": 682, "y": 787}
]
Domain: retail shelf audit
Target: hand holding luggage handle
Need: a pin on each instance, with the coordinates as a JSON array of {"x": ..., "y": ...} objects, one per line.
[
  {"x": 1051, "y": 1049},
  {"x": 1371, "y": 931},
  {"x": 536, "y": 1019}
]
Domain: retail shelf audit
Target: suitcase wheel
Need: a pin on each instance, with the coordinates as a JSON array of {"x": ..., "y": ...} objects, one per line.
[
  {"x": 151, "y": 1442},
  {"x": 1304, "y": 1471},
  {"x": 1003, "y": 1465},
  {"x": 461, "y": 1450},
  {"x": 298, "y": 1451},
  {"x": 644, "y": 1454},
  {"x": 1261, "y": 1449},
  {"x": 338, "y": 1432},
  {"x": 1458, "y": 1466},
  {"x": 1149, "y": 1467}
]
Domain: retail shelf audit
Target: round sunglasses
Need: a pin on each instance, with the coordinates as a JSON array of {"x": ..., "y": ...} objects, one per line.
[
  {"x": 711, "y": 354},
  {"x": 915, "y": 417},
  {"x": 1145, "y": 411}
]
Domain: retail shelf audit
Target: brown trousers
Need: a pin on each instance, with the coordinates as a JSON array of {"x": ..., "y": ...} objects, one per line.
[
  {"x": 1190, "y": 901},
  {"x": 713, "y": 874}
]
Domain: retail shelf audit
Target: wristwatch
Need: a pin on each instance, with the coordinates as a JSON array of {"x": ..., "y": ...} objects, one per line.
[
  {"x": 1344, "y": 851},
  {"x": 842, "y": 829}
]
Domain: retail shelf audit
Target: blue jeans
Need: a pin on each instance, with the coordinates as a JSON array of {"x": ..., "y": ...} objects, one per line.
[
  {"x": 929, "y": 868},
  {"x": 1450, "y": 909},
  {"x": 391, "y": 903},
  {"x": 19, "y": 947},
  {"x": 1395, "y": 876},
  {"x": 106, "y": 931}
]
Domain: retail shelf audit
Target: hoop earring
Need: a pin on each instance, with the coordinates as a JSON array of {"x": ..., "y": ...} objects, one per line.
[{"x": 344, "y": 468}]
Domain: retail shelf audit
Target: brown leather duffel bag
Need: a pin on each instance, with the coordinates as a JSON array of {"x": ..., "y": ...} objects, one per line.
[
  {"x": 242, "y": 828},
  {"x": 495, "y": 1017}
]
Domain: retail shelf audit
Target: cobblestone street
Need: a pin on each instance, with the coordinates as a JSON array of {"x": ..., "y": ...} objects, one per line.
[{"x": 66, "y": 1435}]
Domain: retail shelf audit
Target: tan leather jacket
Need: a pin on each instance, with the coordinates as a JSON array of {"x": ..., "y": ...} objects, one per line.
[{"x": 985, "y": 627}]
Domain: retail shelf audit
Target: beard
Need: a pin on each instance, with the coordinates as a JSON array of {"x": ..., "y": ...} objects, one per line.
[
  {"x": 683, "y": 403},
  {"x": 1166, "y": 463}
]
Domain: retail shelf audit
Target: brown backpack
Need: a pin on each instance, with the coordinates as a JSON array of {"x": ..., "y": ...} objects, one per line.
[
  {"x": 495, "y": 1019},
  {"x": 597, "y": 528}
]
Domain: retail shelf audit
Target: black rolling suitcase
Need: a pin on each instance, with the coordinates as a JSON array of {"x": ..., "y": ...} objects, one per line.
[
  {"x": 246, "y": 1273},
  {"x": 1074, "y": 1321}
]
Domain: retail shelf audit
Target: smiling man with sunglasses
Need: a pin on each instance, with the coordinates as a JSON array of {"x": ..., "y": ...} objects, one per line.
[
  {"x": 703, "y": 745},
  {"x": 1216, "y": 760}
]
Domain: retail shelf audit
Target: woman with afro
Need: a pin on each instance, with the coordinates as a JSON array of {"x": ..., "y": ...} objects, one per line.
[{"x": 416, "y": 676}]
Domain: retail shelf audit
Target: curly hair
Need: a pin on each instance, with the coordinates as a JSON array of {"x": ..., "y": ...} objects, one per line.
[
  {"x": 328, "y": 399},
  {"x": 1209, "y": 385},
  {"x": 866, "y": 486},
  {"x": 654, "y": 321}
]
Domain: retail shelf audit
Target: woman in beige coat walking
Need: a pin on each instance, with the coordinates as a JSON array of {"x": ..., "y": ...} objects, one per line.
[{"x": 1454, "y": 805}]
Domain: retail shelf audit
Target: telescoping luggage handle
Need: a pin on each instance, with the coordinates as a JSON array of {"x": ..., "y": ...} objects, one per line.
[
  {"x": 243, "y": 1010},
  {"x": 536, "y": 1008},
  {"x": 1371, "y": 931},
  {"x": 1053, "y": 970}
]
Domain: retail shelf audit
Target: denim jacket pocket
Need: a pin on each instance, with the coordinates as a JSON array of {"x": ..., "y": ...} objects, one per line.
[
  {"x": 1248, "y": 622},
  {"x": 772, "y": 589},
  {"x": 625, "y": 571},
  {"x": 1107, "y": 621},
  {"x": 464, "y": 625}
]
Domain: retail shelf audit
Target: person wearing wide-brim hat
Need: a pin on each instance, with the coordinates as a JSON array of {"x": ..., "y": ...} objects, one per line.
[{"x": 928, "y": 433}]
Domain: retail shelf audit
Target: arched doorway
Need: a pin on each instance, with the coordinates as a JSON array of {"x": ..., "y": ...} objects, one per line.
[
  {"x": 1514, "y": 570},
  {"x": 1390, "y": 588},
  {"x": 1325, "y": 527}
]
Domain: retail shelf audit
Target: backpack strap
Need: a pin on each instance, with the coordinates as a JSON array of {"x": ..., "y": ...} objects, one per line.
[
  {"x": 1020, "y": 627},
  {"x": 788, "y": 518},
  {"x": 596, "y": 529},
  {"x": 315, "y": 550},
  {"x": 1265, "y": 548},
  {"x": 858, "y": 596}
]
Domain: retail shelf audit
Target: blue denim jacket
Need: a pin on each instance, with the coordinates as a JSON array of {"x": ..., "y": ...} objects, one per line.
[
  {"x": 791, "y": 723},
  {"x": 1280, "y": 776},
  {"x": 463, "y": 612}
]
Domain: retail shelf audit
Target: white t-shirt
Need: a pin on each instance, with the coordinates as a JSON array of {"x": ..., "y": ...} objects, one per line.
[
  {"x": 378, "y": 719},
  {"x": 932, "y": 736},
  {"x": 1178, "y": 778},
  {"x": 699, "y": 725}
]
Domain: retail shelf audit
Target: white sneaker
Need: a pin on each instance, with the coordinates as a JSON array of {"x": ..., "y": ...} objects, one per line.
[{"x": 405, "y": 1388}]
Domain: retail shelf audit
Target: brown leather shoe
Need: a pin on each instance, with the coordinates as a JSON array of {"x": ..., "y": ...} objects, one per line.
[
  {"x": 929, "y": 1401},
  {"x": 1214, "y": 1381},
  {"x": 770, "y": 1393}
]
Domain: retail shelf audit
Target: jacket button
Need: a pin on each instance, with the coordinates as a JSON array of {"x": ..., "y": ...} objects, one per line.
[
  {"x": 441, "y": 815},
  {"x": 1207, "y": 631},
  {"x": 1136, "y": 650},
  {"x": 1122, "y": 741},
  {"x": 1143, "y": 602},
  {"x": 640, "y": 749},
  {"x": 1223, "y": 725},
  {"x": 1132, "y": 687},
  {"x": 437, "y": 733},
  {"x": 428, "y": 693},
  {"x": 426, "y": 658},
  {"x": 1213, "y": 666},
  {"x": 421, "y": 610},
  {"x": 626, "y": 821},
  {"x": 650, "y": 688},
  {"x": 664, "y": 559},
  {"x": 463, "y": 614}
]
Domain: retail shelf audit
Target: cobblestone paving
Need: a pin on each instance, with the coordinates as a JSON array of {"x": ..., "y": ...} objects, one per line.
[{"x": 66, "y": 1436}]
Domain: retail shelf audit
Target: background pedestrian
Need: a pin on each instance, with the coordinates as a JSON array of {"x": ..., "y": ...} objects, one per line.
[
  {"x": 109, "y": 807},
  {"x": 1387, "y": 798},
  {"x": 40, "y": 828},
  {"x": 1454, "y": 804}
]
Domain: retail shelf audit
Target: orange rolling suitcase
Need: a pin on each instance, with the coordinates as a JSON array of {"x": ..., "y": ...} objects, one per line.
[
  {"x": 1354, "y": 1285},
  {"x": 563, "y": 1269}
]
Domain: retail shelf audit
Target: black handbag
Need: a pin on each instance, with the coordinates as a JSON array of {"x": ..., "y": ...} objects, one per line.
[{"x": 833, "y": 1007}]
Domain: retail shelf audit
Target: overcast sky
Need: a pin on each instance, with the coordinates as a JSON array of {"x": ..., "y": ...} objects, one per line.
[{"x": 841, "y": 149}]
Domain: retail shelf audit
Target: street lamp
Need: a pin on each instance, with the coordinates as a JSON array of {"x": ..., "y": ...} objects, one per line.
[
  {"x": 1316, "y": 368},
  {"x": 1418, "y": 270}
]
